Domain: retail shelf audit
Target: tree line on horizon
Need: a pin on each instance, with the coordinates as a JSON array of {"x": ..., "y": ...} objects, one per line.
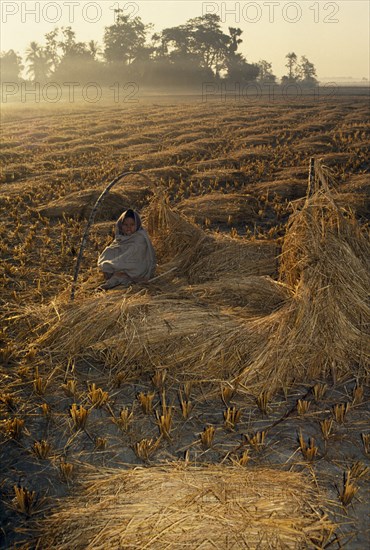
[{"x": 188, "y": 54}]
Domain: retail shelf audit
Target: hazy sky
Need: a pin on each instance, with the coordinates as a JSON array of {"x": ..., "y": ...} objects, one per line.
[{"x": 333, "y": 35}]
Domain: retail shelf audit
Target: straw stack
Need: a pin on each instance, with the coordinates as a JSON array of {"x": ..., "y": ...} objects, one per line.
[
  {"x": 202, "y": 256},
  {"x": 175, "y": 237},
  {"x": 80, "y": 203},
  {"x": 233, "y": 208},
  {"x": 138, "y": 333},
  {"x": 177, "y": 507},
  {"x": 324, "y": 329},
  {"x": 252, "y": 295},
  {"x": 231, "y": 258}
]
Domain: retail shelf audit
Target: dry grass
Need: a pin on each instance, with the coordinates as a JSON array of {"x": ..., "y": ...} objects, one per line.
[
  {"x": 207, "y": 436},
  {"x": 66, "y": 471},
  {"x": 125, "y": 419},
  {"x": 186, "y": 405},
  {"x": 176, "y": 507},
  {"x": 257, "y": 440},
  {"x": 79, "y": 416},
  {"x": 303, "y": 406},
  {"x": 339, "y": 412},
  {"x": 232, "y": 417},
  {"x": 152, "y": 332},
  {"x": 146, "y": 402},
  {"x": 80, "y": 203},
  {"x": 308, "y": 449},
  {"x": 326, "y": 427},
  {"x": 13, "y": 428},
  {"x": 263, "y": 401},
  {"x": 232, "y": 256},
  {"x": 323, "y": 330},
  {"x": 348, "y": 491},
  {"x": 219, "y": 208},
  {"x": 24, "y": 500},
  {"x": 253, "y": 295},
  {"x": 41, "y": 448},
  {"x": 145, "y": 448},
  {"x": 201, "y": 256},
  {"x": 319, "y": 391}
]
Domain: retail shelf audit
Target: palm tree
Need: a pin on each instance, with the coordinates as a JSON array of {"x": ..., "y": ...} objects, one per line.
[
  {"x": 94, "y": 49},
  {"x": 39, "y": 62}
]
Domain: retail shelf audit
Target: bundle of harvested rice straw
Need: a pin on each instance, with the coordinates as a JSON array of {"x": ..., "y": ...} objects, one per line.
[
  {"x": 221, "y": 208},
  {"x": 181, "y": 507},
  {"x": 152, "y": 331},
  {"x": 324, "y": 328},
  {"x": 203, "y": 256}
]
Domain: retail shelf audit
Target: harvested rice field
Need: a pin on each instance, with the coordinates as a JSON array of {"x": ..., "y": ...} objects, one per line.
[{"x": 225, "y": 403}]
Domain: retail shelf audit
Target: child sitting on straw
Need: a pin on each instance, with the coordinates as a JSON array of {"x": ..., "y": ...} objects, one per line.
[{"x": 131, "y": 257}]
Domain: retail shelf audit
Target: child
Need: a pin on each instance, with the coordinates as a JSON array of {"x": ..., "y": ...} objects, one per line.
[{"x": 131, "y": 257}]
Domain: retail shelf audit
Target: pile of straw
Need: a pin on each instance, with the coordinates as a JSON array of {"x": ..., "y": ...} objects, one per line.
[
  {"x": 198, "y": 340},
  {"x": 252, "y": 295},
  {"x": 175, "y": 237},
  {"x": 232, "y": 257},
  {"x": 202, "y": 256},
  {"x": 224, "y": 208},
  {"x": 80, "y": 203},
  {"x": 185, "y": 507},
  {"x": 218, "y": 176},
  {"x": 289, "y": 188},
  {"x": 324, "y": 329},
  {"x": 138, "y": 333},
  {"x": 167, "y": 173},
  {"x": 355, "y": 195}
]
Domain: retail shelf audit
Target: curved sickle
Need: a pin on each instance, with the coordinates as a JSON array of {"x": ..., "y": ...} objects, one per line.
[{"x": 91, "y": 220}]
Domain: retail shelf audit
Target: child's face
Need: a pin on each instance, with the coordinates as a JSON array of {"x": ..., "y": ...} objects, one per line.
[{"x": 128, "y": 226}]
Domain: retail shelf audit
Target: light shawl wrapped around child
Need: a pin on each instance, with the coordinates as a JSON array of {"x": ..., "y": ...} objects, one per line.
[{"x": 131, "y": 256}]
